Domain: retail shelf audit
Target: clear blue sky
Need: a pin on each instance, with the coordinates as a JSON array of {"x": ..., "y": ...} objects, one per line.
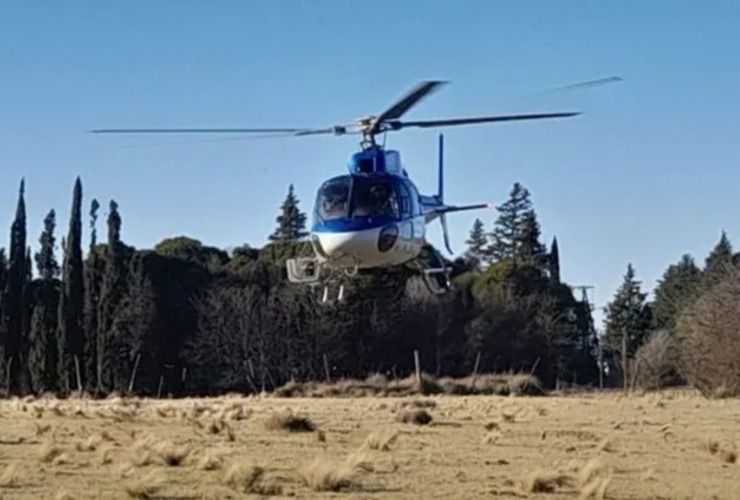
[{"x": 649, "y": 171}]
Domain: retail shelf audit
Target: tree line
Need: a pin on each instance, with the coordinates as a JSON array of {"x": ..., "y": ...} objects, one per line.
[{"x": 184, "y": 318}]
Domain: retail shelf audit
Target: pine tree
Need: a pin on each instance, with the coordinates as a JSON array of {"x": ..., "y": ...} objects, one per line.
[
  {"x": 506, "y": 233},
  {"x": 554, "y": 261},
  {"x": 477, "y": 243},
  {"x": 676, "y": 289},
  {"x": 71, "y": 303},
  {"x": 627, "y": 317},
  {"x": 529, "y": 248},
  {"x": 291, "y": 221},
  {"x": 715, "y": 265}
]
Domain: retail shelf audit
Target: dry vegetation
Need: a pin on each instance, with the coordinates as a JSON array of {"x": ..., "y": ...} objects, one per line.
[{"x": 673, "y": 444}]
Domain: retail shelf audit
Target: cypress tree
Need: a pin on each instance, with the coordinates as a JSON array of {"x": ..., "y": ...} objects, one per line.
[
  {"x": 554, "y": 261},
  {"x": 13, "y": 303},
  {"x": 93, "y": 273},
  {"x": 43, "y": 355},
  {"x": 110, "y": 296},
  {"x": 71, "y": 303}
]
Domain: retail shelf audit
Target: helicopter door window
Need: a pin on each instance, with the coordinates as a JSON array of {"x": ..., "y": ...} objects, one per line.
[{"x": 405, "y": 201}]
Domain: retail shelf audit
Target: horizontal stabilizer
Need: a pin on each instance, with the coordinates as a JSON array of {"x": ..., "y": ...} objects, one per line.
[{"x": 448, "y": 209}]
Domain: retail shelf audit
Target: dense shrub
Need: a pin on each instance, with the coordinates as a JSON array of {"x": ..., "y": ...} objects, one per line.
[{"x": 708, "y": 343}]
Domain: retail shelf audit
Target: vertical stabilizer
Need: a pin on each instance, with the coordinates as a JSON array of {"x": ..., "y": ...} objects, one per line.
[
  {"x": 440, "y": 179},
  {"x": 440, "y": 193}
]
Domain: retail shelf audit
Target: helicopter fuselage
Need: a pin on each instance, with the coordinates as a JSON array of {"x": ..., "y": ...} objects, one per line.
[
  {"x": 364, "y": 242},
  {"x": 374, "y": 216}
]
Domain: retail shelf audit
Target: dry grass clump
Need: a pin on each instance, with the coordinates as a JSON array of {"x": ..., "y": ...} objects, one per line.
[
  {"x": 418, "y": 417},
  {"x": 287, "y": 421},
  {"x": 546, "y": 482},
  {"x": 146, "y": 487},
  {"x": 519, "y": 384},
  {"x": 726, "y": 454},
  {"x": 324, "y": 475},
  {"x": 171, "y": 454},
  {"x": 49, "y": 452},
  {"x": 590, "y": 480},
  {"x": 247, "y": 478},
  {"x": 11, "y": 476},
  {"x": 380, "y": 441},
  {"x": 209, "y": 461}
]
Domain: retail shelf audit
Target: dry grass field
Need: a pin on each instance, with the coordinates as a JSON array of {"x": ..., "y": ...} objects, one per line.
[{"x": 654, "y": 446}]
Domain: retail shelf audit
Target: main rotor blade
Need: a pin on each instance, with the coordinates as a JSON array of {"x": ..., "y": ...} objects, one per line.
[
  {"x": 207, "y": 130},
  {"x": 482, "y": 119},
  {"x": 405, "y": 103}
]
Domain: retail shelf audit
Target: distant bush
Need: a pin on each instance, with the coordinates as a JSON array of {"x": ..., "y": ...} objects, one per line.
[
  {"x": 656, "y": 362},
  {"x": 708, "y": 343},
  {"x": 519, "y": 384}
]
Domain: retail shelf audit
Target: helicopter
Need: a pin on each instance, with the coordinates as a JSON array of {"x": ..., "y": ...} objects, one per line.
[{"x": 374, "y": 216}]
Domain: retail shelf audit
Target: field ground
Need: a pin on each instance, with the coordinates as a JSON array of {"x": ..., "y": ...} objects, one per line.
[{"x": 655, "y": 446}]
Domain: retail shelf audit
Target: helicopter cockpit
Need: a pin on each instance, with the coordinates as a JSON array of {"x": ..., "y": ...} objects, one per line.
[{"x": 353, "y": 197}]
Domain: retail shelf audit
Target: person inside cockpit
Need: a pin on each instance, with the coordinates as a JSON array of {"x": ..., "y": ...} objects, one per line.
[
  {"x": 378, "y": 199},
  {"x": 334, "y": 202}
]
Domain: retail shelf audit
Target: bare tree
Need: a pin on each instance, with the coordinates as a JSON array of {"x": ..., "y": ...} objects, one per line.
[
  {"x": 708, "y": 342},
  {"x": 228, "y": 337},
  {"x": 655, "y": 361}
]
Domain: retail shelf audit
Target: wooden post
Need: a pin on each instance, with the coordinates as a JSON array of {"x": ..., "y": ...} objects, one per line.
[
  {"x": 133, "y": 373},
  {"x": 78, "y": 375},
  {"x": 7, "y": 376},
  {"x": 417, "y": 364},
  {"x": 326, "y": 369},
  {"x": 159, "y": 389},
  {"x": 534, "y": 366},
  {"x": 475, "y": 370},
  {"x": 624, "y": 359}
]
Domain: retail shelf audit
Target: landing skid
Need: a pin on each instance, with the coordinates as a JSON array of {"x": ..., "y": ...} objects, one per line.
[
  {"x": 311, "y": 271},
  {"x": 437, "y": 278}
]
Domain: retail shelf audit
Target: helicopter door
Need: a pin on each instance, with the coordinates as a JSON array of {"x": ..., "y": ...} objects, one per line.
[{"x": 404, "y": 198}]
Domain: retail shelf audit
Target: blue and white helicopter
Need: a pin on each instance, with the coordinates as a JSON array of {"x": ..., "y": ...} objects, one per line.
[{"x": 374, "y": 216}]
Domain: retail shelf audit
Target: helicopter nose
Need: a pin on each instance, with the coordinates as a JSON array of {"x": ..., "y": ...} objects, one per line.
[{"x": 336, "y": 243}]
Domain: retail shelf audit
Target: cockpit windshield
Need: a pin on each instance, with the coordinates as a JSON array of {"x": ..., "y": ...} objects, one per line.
[
  {"x": 333, "y": 199},
  {"x": 369, "y": 197}
]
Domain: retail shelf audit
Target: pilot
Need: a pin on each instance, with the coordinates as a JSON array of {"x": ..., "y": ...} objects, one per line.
[
  {"x": 379, "y": 201},
  {"x": 335, "y": 204}
]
